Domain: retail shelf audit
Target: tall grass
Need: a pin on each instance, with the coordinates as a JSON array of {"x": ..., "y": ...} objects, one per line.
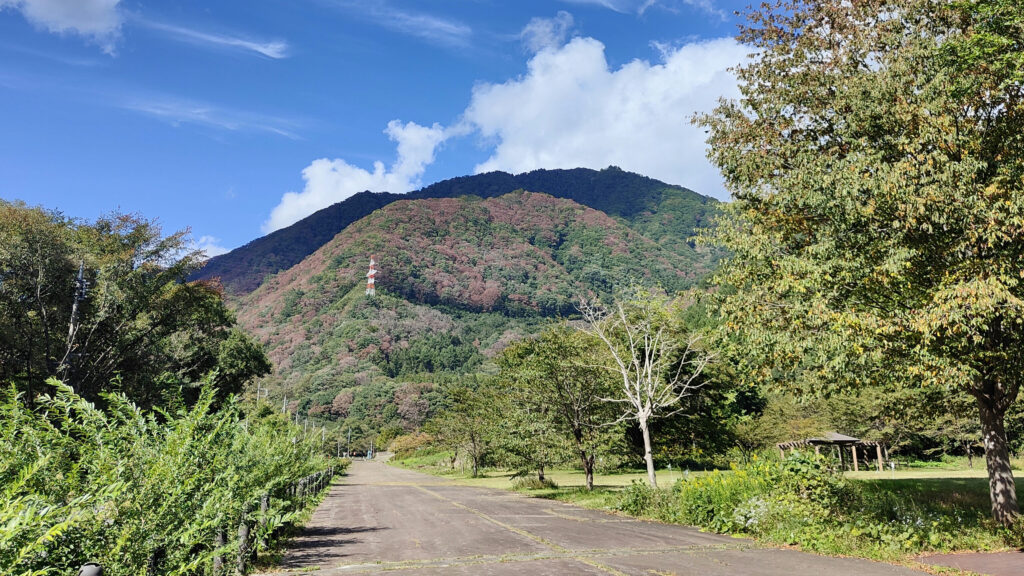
[{"x": 138, "y": 492}]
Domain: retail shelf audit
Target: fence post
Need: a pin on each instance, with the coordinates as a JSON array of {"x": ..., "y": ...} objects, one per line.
[
  {"x": 218, "y": 558},
  {"x": 264, "y": 507},
  {"x": 243, "y": 541}
]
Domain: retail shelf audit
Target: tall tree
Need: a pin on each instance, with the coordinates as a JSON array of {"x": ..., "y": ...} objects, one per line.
[
  {"x": 99, "y": 302},
  {"x": 877, "y": 234},
  {"x": 656, "y": 362},
  {"x": 469, "y": 423},
  {"x": 558, "y": 374}
]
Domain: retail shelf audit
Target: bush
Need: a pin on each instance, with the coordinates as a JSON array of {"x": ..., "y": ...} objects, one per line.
[
  {"x": 803, "y": 500},
  {"x": 408, "y": 444},
  {"x": 533, "y": 483},
  {"x": 127, "y": 488}
]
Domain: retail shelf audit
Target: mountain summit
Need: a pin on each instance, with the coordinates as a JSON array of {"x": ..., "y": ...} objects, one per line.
[{"x": 664, "y": 213}]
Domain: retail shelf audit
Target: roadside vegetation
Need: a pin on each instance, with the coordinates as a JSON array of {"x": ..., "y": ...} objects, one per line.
[
  {"x": 122, "y": 441},
  {"x": 146, "y": 492}
]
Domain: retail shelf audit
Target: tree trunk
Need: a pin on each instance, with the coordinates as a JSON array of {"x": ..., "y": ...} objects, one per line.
[
  {"x": 648, "y": 457},
  {"x": 540, "y": 474},
  {"x": 588, "y": 468},
  {"x": 1002, "y": 489}
]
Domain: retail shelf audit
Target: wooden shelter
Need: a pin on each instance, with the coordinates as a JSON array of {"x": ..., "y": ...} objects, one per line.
[{"x": 839, "y": 443}]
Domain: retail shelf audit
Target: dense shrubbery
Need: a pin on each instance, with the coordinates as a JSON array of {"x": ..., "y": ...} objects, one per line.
[
  {"x": 803, "y": 500},
  {"x": 142, "y": 492}
]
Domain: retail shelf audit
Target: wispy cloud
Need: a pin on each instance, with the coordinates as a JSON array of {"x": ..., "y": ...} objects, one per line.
[
  {"x": 547, "y": 33},
  {"x": 707, "y": 6},
  {"x": 639, "y": 7},
  {"x": 55, "y": 57},
  {"x": 616, "y": 5},
  {"x": 421, "y": 25},
  {"x": 169, "y": 108},
  {"x": 275, "y": 49},
  {"x": 178, "y": 111}
]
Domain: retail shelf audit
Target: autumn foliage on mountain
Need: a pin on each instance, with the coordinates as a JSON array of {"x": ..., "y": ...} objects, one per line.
[
  {"x": 666, "y": 214},
  {"x": 458, "y": 280}
]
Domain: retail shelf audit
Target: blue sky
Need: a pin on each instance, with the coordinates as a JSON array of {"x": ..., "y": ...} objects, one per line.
[{"x": 234, "y": 118}]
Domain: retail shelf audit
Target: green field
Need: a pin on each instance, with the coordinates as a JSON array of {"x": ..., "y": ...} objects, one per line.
[{"x": 570, "y": 478}]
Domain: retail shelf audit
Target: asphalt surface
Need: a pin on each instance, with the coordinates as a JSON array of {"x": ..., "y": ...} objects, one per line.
[
  {"x": 990, "y": 563},
  {"x": 383, "y": 519}
]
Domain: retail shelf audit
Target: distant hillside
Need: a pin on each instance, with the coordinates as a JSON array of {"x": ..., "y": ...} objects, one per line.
[
  {"x": 243, "y": 269},
  {"x": 667, "y": 214},
  {"x": 459, "y": 278}
]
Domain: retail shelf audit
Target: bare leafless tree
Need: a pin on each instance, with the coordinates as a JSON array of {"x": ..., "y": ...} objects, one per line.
[{"x": 658, "y": 366}]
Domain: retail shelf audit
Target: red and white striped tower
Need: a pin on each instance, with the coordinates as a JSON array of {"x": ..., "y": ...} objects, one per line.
[{"x": 370, "y": 291}]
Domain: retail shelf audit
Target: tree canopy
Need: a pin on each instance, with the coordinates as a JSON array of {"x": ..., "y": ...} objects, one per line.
[
  {"x": 877, "y": 232},
  {"x": 105, "y": 306}
]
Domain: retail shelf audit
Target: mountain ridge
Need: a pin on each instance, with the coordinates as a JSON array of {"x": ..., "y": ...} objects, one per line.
[{"x": 632, "y": 197}]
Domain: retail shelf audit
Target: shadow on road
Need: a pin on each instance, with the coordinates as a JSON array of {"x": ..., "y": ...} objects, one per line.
[{"x": 318, "y": 545}]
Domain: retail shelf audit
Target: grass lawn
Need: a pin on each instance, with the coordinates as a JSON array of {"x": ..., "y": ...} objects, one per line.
[{"x": 566, "y": 478}]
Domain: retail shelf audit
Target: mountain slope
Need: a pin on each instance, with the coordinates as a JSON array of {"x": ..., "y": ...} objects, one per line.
[
  {"x": 667, "y": 214},
  {"x": 458, "y": 279}
]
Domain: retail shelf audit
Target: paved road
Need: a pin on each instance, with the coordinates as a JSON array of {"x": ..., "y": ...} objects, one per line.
[{"x": 382, "y": 519}]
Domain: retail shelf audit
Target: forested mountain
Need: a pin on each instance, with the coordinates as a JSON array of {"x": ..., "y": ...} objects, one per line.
[
  {"x": 459, "y": 278},
  {"x": 664, "y": 213}
]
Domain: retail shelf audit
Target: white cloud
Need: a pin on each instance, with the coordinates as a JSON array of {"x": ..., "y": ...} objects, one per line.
[
  {"x": 546, "y": 33},
  {"x": 211, "y": 246},
  {"x": 330, "y": 181},
  {"x": 98, "y": 20},
  {"x": 273, "y": 49},
  {"x": 571, "y": 110}
]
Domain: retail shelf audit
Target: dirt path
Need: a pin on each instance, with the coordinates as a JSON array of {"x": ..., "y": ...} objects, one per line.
[{"x": 380, "y": 518}]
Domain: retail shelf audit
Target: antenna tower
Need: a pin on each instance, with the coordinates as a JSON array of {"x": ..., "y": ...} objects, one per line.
[{"x": 370, "y": 290}]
